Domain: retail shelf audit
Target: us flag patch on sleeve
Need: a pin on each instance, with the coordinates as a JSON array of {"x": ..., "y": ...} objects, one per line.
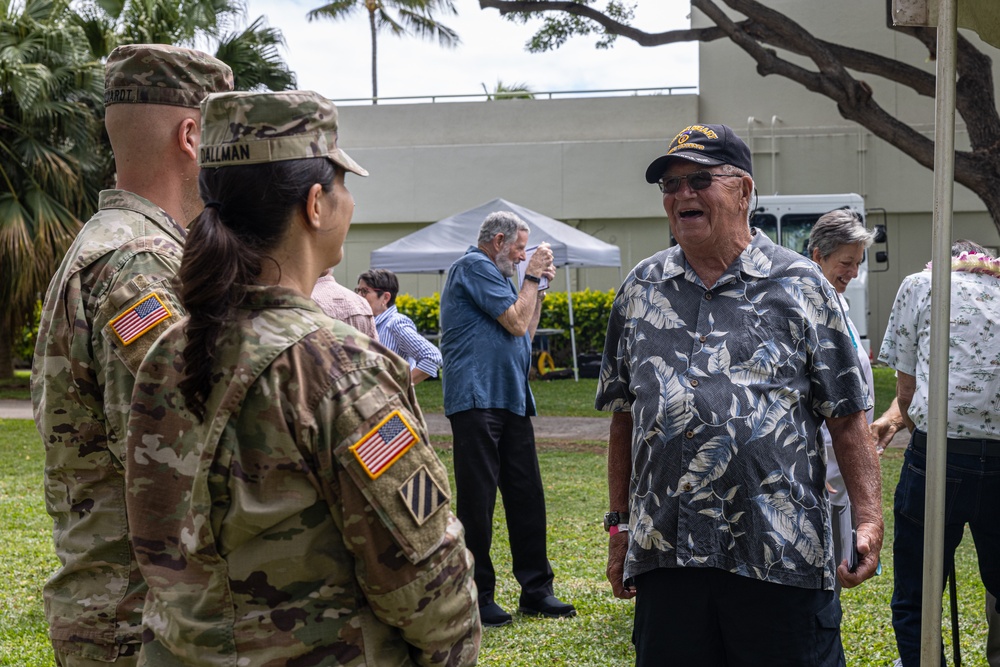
[
  {"x": 139, "y": 319},
  {"x": 422, "y": 495},
  {"x": 384, "y": 444}
]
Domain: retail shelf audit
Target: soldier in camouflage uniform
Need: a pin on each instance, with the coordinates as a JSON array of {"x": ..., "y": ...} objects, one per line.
[
  {"x": 286, "y": 507},
  {"x": 109, "y": 300}
]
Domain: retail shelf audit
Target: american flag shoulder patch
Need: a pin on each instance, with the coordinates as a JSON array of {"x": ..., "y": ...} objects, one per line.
[
  {"x": 422, "y": 495},
  {"x": 139, "y": 318},
  {"x": 384, "y": 444}
]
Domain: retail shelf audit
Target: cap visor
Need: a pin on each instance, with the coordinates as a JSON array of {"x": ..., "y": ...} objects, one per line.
[
  {"x": 658, "y": 167},
  {"x": 342, "y": 159}
]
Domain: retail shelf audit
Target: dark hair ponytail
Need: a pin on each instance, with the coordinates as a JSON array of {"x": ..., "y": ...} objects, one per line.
[{"x": 248, "y": 213}]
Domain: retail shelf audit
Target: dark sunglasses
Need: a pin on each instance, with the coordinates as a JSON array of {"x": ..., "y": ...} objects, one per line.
[{"x": 698, "y": 180}]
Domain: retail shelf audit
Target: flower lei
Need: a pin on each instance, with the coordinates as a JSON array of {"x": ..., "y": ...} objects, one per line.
[{"x": 974, "y": 262}]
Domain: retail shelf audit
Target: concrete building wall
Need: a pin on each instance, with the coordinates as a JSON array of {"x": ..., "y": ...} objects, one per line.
[{"x": 582, "y": 160}]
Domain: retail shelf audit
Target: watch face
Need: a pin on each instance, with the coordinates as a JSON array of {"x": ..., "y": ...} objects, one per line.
[{"x": 611, "y": 519}]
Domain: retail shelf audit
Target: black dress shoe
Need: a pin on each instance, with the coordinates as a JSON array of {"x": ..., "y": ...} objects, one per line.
[
  {"x": 549, "y": 606},
  {"x": 492, "y": 615}
]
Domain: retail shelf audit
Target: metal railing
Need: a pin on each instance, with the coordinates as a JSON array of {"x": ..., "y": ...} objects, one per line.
[{"x": 537, "y": 95}]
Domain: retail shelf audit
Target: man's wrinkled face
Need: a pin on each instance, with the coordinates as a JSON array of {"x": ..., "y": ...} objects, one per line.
[
  {"x": 511, "y": 254},
  {"x": 704, "y": 218}
]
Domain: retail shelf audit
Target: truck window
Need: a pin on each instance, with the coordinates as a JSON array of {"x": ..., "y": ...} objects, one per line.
[{"x": 768, "y": 224}]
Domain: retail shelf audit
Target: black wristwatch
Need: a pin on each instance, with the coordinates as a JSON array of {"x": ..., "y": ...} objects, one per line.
[
  {"x": 531, "y": 278},
  {"x": 612, "y": 519}
]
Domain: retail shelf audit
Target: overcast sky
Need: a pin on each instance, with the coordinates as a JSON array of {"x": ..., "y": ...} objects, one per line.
[{"x": 334, "y": 57}]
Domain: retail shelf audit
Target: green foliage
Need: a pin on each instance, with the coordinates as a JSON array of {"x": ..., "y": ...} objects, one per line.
[
  {"x": 576, "y": 499},
  {"x": 510, "y": 91},
  {"x": 591, "y": 311},
  {"x": 252, "y": 52},
  {"x": 24, "y": 346},
  {"x": 558, "y": 28},
  {"x": 51, "y": 92},
  {"x": 425, "y": 312}
]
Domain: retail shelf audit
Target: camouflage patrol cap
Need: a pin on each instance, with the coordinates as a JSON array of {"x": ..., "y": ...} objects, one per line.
[
  {"x": 162, "y": 74},
  {"x": 253, "y": 128}
]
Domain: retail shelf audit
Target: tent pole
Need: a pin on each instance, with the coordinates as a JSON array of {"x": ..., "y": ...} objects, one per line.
[
  {"x": 937, "y": 395},
  {"x": 572, "y": 327}
]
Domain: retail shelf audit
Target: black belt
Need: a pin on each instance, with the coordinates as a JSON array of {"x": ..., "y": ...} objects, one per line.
[{"x": 966, "y": 446}]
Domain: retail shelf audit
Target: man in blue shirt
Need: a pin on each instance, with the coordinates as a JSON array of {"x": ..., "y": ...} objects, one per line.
[
  {"x": 486, "y": 328},
  {"x": 379, "y": 287}
]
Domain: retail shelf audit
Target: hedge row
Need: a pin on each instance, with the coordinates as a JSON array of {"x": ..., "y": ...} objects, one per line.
[{"x": 591, "y": 310}]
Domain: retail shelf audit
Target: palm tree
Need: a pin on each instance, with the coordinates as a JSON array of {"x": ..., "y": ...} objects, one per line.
[
  {"x": 252, "y": 52},
  {"x": 414, "y": 17},
  {"x": 509, "y": 91},
  {"x": 253, "y": 55},
  {"x": 50, "y": 153}
]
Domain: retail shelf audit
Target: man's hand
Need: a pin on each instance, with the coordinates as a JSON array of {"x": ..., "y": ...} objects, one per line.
[
  {"x": 882, "y": 431},
  {"x": 893, "y": 419},
  {"x": 617, "y": 549},
  {"x": 869, "y": 548},
  {"x": 540, "y": 263}
]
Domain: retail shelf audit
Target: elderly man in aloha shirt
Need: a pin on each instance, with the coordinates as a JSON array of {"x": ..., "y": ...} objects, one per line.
[
  {"x": 724, "y": 354},
  {"x": 973, "y": 491}
]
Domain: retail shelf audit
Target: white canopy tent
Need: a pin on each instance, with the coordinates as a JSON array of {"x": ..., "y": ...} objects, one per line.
[{"x": 436, "y": 247}]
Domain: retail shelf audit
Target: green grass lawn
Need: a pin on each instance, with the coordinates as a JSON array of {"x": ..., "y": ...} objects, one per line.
[
  {"x": 563, "y": 398},
  {"x": 568, "y": 398},
  {"x": 16, "y": 387},
  {"x": 576, "y": 499}
]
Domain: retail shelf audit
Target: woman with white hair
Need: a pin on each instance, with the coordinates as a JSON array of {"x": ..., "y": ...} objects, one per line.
[{"x": 837, "y": 243}]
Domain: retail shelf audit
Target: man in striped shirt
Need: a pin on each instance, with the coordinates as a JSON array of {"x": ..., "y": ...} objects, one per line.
[{"x": 395, "y": 330}]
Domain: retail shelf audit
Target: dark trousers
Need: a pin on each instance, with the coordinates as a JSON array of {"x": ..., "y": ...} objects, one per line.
[
  {"x": 496, "y": 449},
  {"x": 713, "y": 618},
  {"x": 972, "y": 496}
]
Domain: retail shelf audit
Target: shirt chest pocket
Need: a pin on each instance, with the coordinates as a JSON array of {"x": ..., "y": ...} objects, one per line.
[{"x": 766, "y": 348}]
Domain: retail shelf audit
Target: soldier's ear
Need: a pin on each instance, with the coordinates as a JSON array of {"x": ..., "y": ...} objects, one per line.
[
  {"x": 189, "y": 137},
  {"x": 314, "y": 206}
]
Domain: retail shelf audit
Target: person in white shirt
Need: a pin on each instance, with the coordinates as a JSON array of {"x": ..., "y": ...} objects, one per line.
[{"x": 837, "y": 243}]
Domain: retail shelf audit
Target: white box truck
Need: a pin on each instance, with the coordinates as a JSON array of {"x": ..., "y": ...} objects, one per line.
[{"x": 788, "y": 220}]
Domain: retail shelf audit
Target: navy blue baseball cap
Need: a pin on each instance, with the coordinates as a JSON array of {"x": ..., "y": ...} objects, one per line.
[{"x": 709, "y": 145}]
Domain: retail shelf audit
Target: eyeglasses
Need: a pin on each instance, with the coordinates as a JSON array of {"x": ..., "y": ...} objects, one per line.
[
  {"x": 365, "y": 291},
  {"x": 698, "y": 180}
]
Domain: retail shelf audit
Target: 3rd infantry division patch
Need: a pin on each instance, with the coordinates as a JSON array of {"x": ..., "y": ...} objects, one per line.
[{"x": 422, "y": 495}]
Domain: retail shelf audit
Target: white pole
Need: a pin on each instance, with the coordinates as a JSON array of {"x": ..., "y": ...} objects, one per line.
[
  {"x": 937, "y": 395},
  {"x": 572, "y": 326}
]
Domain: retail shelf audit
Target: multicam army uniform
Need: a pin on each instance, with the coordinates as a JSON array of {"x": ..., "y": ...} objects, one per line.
[
  {"x": 105, "y": 306},
  {"x": 307, "y": 520}
]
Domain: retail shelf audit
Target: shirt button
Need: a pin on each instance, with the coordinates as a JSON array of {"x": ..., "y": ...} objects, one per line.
[
  {"x": 689, "y": 434},
  {"x": 687, "y": 486},
  {"x": 694, "y": 383},
  {"x": 702, "y": 339},
  {"x": 708, "y": 296}
]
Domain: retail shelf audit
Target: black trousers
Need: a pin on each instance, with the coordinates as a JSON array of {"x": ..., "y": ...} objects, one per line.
[
  {"x": 496, "y": 449},
  {"x": 713, "y": 618}
]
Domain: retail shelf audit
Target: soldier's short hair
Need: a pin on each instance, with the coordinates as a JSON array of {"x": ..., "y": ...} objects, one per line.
[{"x": 163, "y": 74}]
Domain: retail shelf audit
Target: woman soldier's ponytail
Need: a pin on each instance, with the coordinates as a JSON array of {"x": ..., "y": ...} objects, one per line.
[{"x": 247, "y": 213}]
